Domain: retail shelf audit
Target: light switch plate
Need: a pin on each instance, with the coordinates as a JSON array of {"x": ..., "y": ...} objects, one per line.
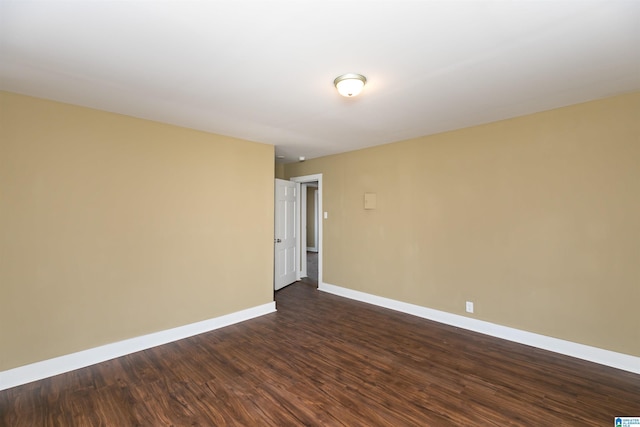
[{"x": 370, "y": 200}]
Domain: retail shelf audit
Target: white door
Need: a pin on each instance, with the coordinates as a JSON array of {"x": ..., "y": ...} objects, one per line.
[{"x": 285, "y": 233}]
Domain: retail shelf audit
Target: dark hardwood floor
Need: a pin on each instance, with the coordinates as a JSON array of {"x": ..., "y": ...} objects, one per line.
[{"x": 325, "y": 360}]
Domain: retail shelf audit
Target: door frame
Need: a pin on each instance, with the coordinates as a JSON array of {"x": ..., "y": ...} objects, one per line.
[
  {"x": 302, "y": 221},
  {"x": 302, "y": 224}
]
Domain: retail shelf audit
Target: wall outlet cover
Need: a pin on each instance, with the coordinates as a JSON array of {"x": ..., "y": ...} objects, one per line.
[{"x": 469, "y": 307}]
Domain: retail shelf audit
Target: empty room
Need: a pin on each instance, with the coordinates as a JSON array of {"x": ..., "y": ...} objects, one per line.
[{"x": 331, "y": 213}]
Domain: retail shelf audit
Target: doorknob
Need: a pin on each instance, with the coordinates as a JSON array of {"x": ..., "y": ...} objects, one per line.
[{"x": 277, "y": 240}]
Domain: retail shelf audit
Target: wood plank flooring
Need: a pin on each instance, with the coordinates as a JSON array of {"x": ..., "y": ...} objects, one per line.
[{"x": 322, "y": 360}]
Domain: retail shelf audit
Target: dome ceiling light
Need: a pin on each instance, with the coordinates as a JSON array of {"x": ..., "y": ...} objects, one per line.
[{"x": 350, "y": 85}]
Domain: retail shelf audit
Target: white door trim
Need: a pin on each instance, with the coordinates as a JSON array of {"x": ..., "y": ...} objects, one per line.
[
  {"x": 314, "y": 178},
  {"x": 303, "y": 231},
  {"x": 316, "y": 218}
]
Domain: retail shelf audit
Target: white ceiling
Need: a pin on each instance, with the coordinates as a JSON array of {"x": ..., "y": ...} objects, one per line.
[{"x": 264, "y": 70}]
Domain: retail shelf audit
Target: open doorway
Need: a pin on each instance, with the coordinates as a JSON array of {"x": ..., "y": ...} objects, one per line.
[
  {"x": 309, "y": 228},
  {"x": 310, "y": 216}
]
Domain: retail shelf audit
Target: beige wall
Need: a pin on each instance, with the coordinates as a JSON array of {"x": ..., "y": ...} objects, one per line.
[
  {"x": 114, "y": 227},
  {"x": 535, "y": 219},
  {"x": 279, "y": 170}
]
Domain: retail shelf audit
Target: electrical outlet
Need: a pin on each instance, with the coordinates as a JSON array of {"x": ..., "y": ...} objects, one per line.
[{"x": 469, "y": 307}]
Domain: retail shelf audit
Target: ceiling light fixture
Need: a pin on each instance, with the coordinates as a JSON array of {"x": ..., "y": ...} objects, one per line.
[{"x": 350, "y": 85}]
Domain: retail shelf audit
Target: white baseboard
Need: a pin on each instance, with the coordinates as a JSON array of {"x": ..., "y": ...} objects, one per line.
[
  {"x": 593, "y": 354},
  {"x": 48, "y": 368}
]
